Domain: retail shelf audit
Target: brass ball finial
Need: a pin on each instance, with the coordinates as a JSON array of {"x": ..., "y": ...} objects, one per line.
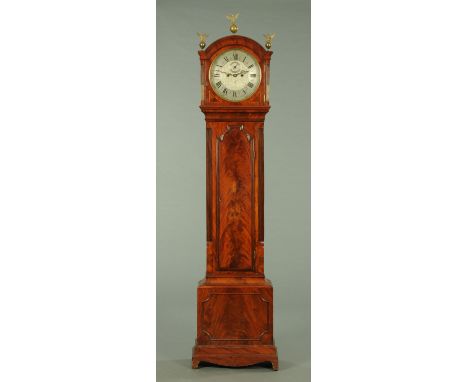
[
  {"x": 232, "y": 19},
  {"x": 268, "y": 38},
  {"x": 202, "y": 37}
]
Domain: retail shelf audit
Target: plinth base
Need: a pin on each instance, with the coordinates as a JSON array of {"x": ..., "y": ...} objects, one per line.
[
  {"x": 235, "y": 322},
  {"x": 240, "y": 355}
]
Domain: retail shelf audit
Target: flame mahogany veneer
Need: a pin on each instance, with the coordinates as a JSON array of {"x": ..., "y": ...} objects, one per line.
[{"x": 234, "y": 300}]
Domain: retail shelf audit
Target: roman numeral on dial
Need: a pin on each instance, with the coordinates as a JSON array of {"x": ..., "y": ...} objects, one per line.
[
  {"x": 218, "y": 84},
  {"x": 250, "y": 85},
  {"x": 235, "y": 56}
]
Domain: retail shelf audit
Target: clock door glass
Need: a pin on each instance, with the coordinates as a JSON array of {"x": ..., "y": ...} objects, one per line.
[{"x": 235, "y": 75}]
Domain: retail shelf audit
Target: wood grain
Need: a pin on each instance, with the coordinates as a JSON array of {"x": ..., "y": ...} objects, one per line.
[
  {"x": 209, "y": 207},
  {"x": 235, "y": 183},
  {"x": 235, "y": 316},
  {"x": 235, "y": 323}
]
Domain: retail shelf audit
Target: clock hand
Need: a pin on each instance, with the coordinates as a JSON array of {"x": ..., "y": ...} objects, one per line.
[
  {"x": 242, "y": 72},
  {"x": 228, "y": 74}
]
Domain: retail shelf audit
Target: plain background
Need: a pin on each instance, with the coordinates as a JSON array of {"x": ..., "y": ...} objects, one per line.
[
  {"x": 181, "y": 208},
  {"x": 388, "y": 185}
]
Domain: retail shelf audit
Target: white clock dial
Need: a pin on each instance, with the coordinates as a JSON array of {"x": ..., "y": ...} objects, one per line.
[{"x": 235, "y": 75}]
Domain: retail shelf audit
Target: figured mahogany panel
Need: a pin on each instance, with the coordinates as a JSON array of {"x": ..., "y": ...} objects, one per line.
[
  {"x": 235, "y": 198},
  {"x": 235, "y": 316}
]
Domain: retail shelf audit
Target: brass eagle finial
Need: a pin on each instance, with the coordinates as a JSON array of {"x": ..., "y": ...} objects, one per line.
[
  {"x": 202, "y": 37},
  {"x": 232, "y": 19},
  {"x": 268, "y": 38}
]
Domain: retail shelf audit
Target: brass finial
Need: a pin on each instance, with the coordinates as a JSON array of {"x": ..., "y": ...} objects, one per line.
[
  {"x": 232, "y": 19},
  {"x": 202, "y": 37},
  {"x": 268, "y": 38}
]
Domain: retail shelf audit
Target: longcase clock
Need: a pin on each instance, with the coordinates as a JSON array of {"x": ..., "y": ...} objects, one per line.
[{"x": 234, "y": 300}]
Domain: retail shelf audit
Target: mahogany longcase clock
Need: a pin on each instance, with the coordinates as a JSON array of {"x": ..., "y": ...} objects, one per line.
[{"x": 234, "y": 300}]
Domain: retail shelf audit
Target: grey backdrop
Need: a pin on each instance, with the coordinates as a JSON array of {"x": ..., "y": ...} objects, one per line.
[{"x": 181, "y": 180}]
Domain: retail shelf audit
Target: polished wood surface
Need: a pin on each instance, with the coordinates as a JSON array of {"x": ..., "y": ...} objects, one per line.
[
  {"x": 235, "y": 301},
  {"x": 235, "y": 154},
  {"x": 235, "y": 323}
]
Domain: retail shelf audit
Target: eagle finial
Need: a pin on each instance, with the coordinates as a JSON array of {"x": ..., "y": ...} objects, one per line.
[
  {"x": 232, "y": 19},
  {"x": 202, "y": 37},
  {"x": 268, "y": 38}
]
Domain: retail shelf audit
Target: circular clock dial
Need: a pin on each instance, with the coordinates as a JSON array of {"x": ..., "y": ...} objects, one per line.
[{"x": 235, "y": 75}]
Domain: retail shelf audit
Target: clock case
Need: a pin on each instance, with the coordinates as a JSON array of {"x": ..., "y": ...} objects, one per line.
[{"x": 234, "y": 300}]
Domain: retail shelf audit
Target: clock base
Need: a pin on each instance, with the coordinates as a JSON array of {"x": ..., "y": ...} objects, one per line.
[
  {"x": 235, "y": 355},
  {"x": 235, "y": 322}
]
